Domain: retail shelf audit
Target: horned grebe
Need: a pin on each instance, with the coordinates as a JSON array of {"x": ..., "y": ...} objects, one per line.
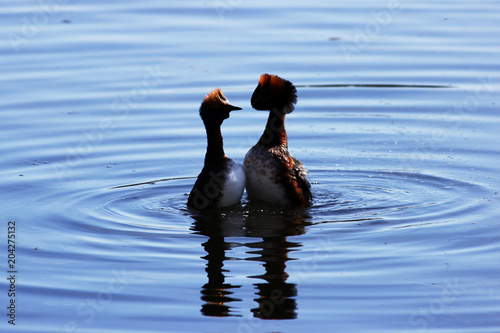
[
  {"x": 273, "y": 174},
  {"x": 222, "y": 180}
]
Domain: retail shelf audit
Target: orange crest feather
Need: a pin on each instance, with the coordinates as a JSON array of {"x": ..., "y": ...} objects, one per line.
[
  {"x": 264, "y": 78},
  {"x": 214, "y": 96},
  {"x": 276, "y": 83}
]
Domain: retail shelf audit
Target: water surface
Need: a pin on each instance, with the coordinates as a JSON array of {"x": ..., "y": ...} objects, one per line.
[{"x": 396, "y": 121}]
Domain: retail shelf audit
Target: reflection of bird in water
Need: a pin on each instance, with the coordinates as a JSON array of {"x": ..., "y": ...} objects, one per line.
[
  {"x": 215, "y": 293},
  {"x": 276, "y": 297}
]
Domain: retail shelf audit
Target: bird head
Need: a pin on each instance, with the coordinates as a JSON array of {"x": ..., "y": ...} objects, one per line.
[
  {"x": 274, "y": 92},
  {"x": 216, "y": 107}
]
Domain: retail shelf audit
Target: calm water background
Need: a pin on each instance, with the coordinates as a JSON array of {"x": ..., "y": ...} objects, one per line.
[{"x": 397, "y": 122}]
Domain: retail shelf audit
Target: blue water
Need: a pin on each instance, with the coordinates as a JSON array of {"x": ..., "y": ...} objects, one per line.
[{"x": 396, "y": 121}]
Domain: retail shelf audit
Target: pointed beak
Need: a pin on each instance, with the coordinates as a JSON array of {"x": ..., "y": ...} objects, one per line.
[{"x": 230, "y": 107}]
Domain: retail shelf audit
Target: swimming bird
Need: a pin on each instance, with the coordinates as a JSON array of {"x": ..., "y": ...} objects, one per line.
[
  {"x": 273, "y": 174},
  {"x": 222, "y": 180}
]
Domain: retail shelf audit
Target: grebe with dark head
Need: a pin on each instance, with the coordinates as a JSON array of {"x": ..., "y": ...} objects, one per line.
[
  {"x": 273, "y": 174},
  {"x": 222, "y": 180}
]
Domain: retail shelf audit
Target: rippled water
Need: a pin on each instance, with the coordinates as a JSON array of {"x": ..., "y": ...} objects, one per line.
[{"x": 396, "y": 121}]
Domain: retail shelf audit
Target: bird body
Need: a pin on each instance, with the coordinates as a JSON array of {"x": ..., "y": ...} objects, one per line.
[
  {"x": 222, "y": 180},
  {"x": 273, "y": 175}
]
